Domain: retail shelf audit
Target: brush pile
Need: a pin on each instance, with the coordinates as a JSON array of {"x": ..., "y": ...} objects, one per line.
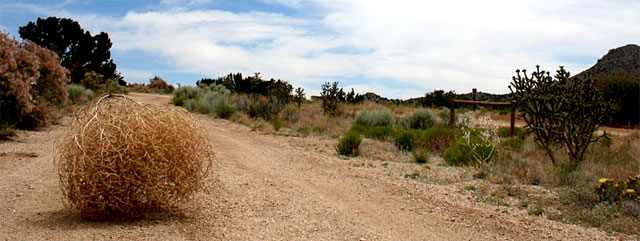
[{"x": 122, "y": 160}]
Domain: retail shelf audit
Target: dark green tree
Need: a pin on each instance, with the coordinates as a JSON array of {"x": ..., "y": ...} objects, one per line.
[
  {"x": 78, "y": 50},
  {"x": 623, "y": 91},
  {"x": 438, "y": 98}
]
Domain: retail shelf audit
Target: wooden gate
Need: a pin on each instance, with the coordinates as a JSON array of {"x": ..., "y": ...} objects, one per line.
[{"x": 452, "y": 104}]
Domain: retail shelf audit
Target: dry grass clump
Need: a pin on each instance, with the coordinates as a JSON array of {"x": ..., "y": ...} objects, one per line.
[{"x": 122, "y": 160}]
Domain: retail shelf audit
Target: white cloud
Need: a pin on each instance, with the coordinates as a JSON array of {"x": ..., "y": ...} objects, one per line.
[
  {"x": 135, "y": 76},
  {"x": 456, "y": 44}
]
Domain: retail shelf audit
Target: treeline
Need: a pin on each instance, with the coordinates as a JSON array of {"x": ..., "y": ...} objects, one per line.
[{"x": 251, "y": 85}]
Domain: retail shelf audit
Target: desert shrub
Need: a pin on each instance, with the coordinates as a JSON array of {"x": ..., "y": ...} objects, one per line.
[
  {"x": 436, "y": 139},
  {"x": 380, "y": 132},
  {"x": 183, "y": 93},
  {"x": 359, "y": 129},
  {"x": 266, "y": 108},
  {"x": 291, "y": 114},
  {"x": 211, "y": 100},
  {"x": 159, "y": 85},
  {"x": 6, "y": 132},
  {"x": 458, "y": 154},
  {"x": 318, "y": 129},
  {"x": 242, "y": 102},
  {"x": 372, "y": 119},
  {"x": 31, "y": 83},
  {"x": 205, "y": 99},
  {"x": 404, "y": 139},
  {"x": 445, "y": 116},
  {"x": 112, "y": 86},
  {"x": 190, "y": 104},
  {"x": 304, "y": 130},
  {"x": 513, "y": 143},
  {"x": 79, "y": 94},
  {"x": 225, "y": 111},
  {"x": 506, "y": 132},
  {"x": 92, "y": 80},
  {"x": 277, "y": 123},
  {"x": 462, "y": 119},
  {"x": 349, "y": 144},
  {"x": 122, "y": 159},
  {"x": 421, "y": 156},
  {"x": 473, "y": 147},
  {"x": 421, "y": 119}
]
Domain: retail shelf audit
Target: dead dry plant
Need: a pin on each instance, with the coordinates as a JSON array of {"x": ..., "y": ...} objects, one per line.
[{"x": 121, "y": 159}]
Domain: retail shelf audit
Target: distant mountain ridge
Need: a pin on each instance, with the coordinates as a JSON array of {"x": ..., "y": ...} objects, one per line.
[{"x": 625, "y": 59}]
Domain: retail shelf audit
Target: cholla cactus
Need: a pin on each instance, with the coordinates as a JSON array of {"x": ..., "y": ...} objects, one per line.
[{"x": 559, "y": 110}]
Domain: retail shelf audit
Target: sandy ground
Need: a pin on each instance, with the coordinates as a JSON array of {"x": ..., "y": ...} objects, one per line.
[{"x": 268, "y": 187}]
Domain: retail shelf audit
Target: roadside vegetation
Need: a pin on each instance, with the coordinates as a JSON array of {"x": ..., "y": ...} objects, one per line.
[{"x": 557, "y": 153}]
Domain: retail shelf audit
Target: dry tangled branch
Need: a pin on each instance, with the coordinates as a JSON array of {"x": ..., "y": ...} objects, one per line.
[{"x": 122, "y": 159}]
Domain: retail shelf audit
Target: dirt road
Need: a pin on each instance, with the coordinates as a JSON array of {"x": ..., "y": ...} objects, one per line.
[{"x": 268, "y": 187}]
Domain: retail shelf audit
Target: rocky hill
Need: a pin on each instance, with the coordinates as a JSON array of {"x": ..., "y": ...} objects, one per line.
[{"x": 625, "y": 59}]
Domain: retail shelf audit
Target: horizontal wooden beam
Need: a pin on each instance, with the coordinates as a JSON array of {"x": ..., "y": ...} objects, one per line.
[{"x": 482, "y": 103}]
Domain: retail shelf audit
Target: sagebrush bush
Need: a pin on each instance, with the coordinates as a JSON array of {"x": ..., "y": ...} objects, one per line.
[
  {"x": 349, "y": 144},
  {"x": 205, "y": 99},
  {"x": 79, "y": 94},
  {"x": 380, "y": 132},
  {"x": 462, "y": 120},
  {"x": 372, "y": 119},
  {"x": 212, "y": 99},
  {"x": 445, "y": 116},
  {"x": 183, "y": 93},
  {"x": 404, "y": 139},
  {"x": 225, "y": 111},
  {"x": 421, "y": 119}
]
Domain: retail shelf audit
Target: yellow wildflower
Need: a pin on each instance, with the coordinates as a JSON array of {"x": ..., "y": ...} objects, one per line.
[
  {"x": 630, "y": 191},
  {"x": 603, "y": 180}
]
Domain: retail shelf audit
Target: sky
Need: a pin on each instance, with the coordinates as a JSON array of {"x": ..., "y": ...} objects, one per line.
[{"x": 398, "y": 49}]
